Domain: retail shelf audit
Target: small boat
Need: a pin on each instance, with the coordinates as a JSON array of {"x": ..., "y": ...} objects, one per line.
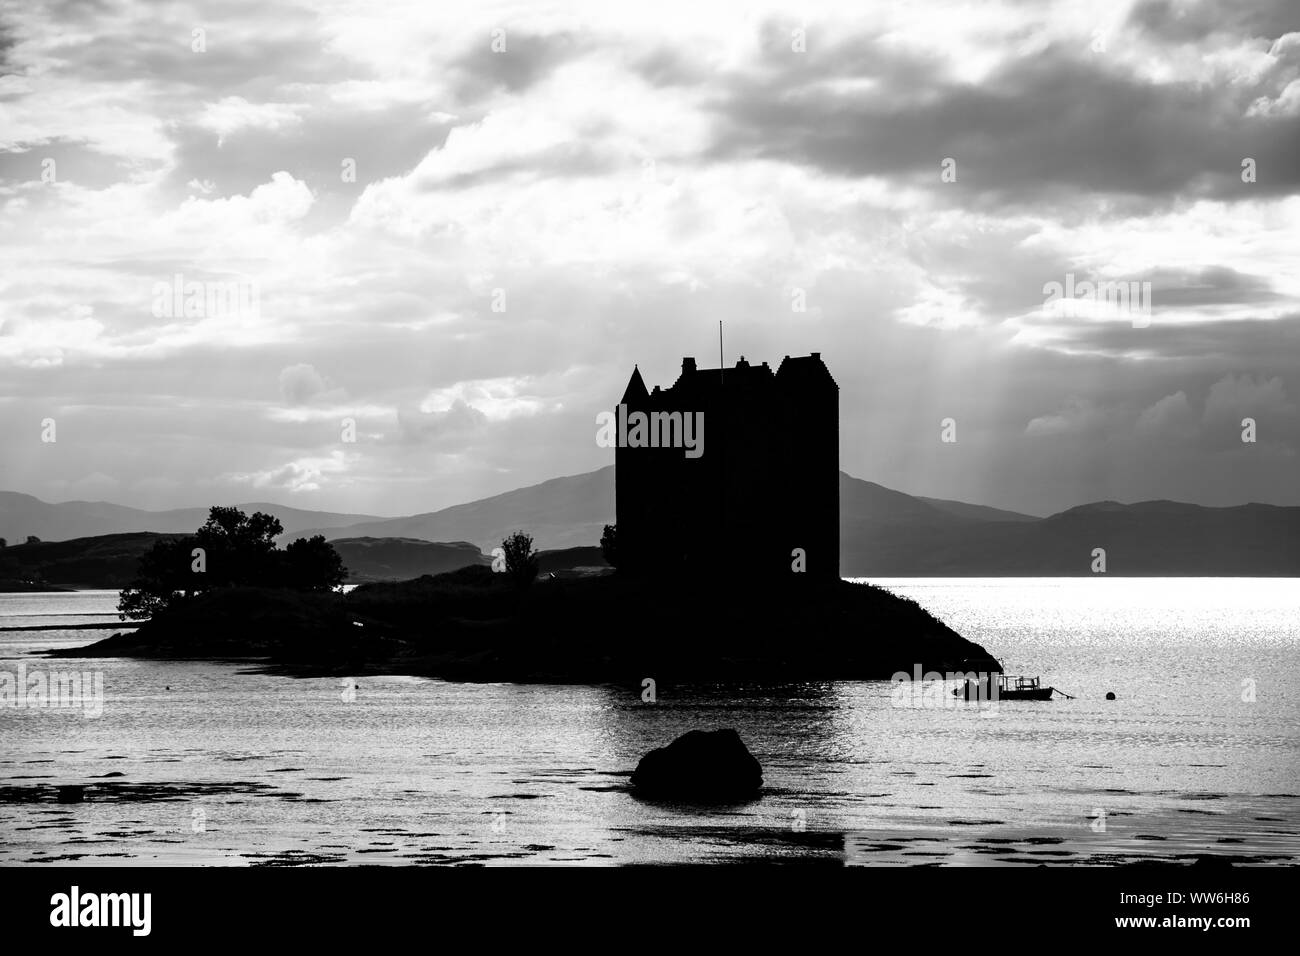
[{"x": 1007, "y": 687}]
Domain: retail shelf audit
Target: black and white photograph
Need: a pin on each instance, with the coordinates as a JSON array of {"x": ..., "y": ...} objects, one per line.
[{"x": 691, "y": 436}]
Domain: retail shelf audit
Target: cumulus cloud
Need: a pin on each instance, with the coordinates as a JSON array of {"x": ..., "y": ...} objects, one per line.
[
  {"x": 451, "y": 427},
  {"x": 234, "y": 113},
  {"x": 467, "y": 250},
  {"x": 1235, "y": 393},
  {"x": 1077, "y": 416},
  {"x": 1171, "y": 416},
  {"x": 299, "y": 384},
  {"x": 303, "y": 475}
]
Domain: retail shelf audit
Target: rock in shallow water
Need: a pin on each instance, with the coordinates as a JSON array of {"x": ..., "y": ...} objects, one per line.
[{"x": 700, "y": 765}]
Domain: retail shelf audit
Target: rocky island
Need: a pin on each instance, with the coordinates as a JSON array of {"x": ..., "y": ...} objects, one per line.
[{"x": 476, "y": 625}]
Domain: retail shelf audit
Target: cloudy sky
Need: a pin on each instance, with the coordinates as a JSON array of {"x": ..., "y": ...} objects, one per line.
[{"x": 464, "y": 224}]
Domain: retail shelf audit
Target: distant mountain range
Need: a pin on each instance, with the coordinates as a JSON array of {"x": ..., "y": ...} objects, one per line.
[
  {"x": 23, "y": 515},
  {"x": 884, "y": 533},
  {"x": 561, "y": 513}
]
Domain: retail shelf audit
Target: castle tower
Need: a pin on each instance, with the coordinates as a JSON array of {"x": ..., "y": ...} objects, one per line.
[{"x": 766, "y": 479}]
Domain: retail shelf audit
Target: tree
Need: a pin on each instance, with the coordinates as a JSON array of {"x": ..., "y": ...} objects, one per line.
[
  {"x": 32, "y": 539},
  {"x": 521, "y": 559},
  {"x": 609, "y": 545},
  {"x": 165, "y": 573},
  {"x": 232, "y": 549},
  {"x": 312, "y": 564},
  {"x": 3, "y": 543},
  {"x": 239, "y": 549}
]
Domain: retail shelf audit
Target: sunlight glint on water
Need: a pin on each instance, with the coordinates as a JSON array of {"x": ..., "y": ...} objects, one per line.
[{"x": 286, "y": 770}]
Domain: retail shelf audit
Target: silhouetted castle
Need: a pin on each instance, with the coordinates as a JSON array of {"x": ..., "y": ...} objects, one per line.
[{"x": 763, "y": 482}]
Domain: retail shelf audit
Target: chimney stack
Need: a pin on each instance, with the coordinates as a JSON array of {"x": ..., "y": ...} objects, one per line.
[{"x": 688, "y": 366}]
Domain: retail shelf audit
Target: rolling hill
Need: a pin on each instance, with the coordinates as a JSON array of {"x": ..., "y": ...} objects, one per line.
[
  {"x": 109, "y": 561},
  {"x": 23, "y": 515},
  {"x": 884, "y": 533},
  {"x": 400, "y": 559},
  {"x": 564, "y": 512}
]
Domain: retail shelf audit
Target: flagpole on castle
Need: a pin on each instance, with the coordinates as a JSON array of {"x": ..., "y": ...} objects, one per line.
[{"x": 721, "y": 363}]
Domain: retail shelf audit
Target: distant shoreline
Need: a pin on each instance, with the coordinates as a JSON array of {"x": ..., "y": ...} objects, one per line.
[
  {"x": 849, "y": 578},
  {"x": 101, "y": 626}
]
